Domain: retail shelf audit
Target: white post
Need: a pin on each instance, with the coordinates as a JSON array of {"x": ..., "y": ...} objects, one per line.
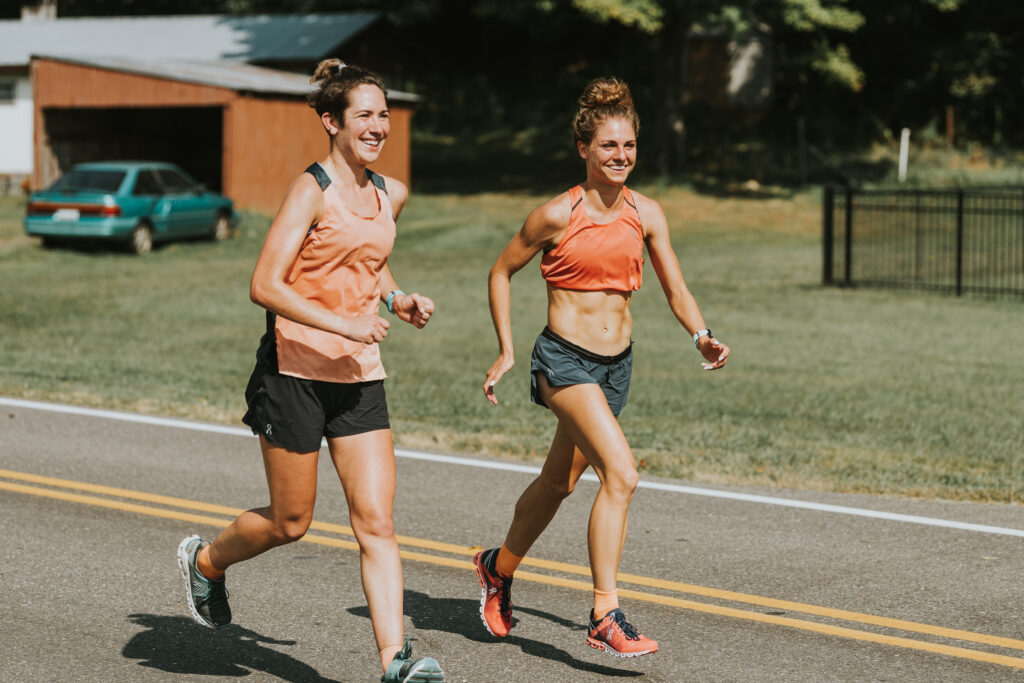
[{"x": 904, "y": 152}]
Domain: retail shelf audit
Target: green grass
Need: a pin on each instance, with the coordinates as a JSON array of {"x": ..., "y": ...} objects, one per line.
[{"x": 849, "y": 390}]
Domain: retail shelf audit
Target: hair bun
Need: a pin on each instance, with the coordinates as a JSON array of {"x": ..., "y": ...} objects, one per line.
[
  {"x": 326, "y": 69},
  {"x": 605, "y": 92}
]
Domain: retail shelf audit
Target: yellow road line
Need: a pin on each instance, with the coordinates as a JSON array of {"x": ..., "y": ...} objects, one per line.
[
  {"x": 553, "y": 580},
  {"x": 716, "y": 593}
]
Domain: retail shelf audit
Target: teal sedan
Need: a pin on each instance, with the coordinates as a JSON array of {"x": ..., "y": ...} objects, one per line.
[{"x": 133, "y": 203}]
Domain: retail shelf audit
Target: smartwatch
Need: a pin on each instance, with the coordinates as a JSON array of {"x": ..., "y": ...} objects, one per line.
[{"x": 699, "y": 334}]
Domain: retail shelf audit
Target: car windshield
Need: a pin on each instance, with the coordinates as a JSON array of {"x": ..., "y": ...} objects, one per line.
[{"x": 90, "y": 180}]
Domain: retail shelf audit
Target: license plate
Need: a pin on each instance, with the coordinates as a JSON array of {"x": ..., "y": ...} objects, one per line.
[{"x": 66, "y": 215}]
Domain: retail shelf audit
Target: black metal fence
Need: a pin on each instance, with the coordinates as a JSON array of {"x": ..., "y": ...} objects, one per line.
[{"x": 964, "y": 240}]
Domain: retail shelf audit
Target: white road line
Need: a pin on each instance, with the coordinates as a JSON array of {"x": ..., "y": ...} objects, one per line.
[{"x": 528, "y": 469}]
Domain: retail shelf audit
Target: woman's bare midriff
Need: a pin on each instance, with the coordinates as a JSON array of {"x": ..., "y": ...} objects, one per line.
[{"x": 598, "y": 321}]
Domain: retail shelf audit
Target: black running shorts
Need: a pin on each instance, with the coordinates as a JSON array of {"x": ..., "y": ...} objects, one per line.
[
  {"x": 563, "y": 364},
  {"x": 296, "y": 414}
]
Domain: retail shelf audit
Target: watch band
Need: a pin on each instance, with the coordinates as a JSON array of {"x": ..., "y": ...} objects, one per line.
[
  {"x": 699, "y": 334},
  {"x": 389, "y": 303}
]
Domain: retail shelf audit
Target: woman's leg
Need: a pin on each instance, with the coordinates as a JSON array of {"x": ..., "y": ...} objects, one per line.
[
  {"x": 586, "y": 419},
  {"x": 291, "y": 478},
  {"x": 538, "y": 504},
  {"x": 366, "y": 465}
]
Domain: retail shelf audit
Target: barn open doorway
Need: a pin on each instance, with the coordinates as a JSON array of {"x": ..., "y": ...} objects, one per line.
[{"x": 191, "y": 137}]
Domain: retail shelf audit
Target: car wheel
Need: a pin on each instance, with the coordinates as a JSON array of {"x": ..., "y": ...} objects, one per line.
[
  {"x": 221, "y": 230},
  {"x": 142, "y": 239}
]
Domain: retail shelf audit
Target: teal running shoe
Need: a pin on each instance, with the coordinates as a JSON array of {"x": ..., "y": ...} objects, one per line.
[
  {"x": 403, "y": 669},
  {"x": 207, "y": 599}
]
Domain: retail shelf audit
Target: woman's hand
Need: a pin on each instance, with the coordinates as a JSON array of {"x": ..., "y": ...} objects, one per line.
[
  {"x": 414, "y": 309},
  {"x": 367, "y": 329},
  {"x": 497, "y": 371},
  {"x": 715, "y": 353}
]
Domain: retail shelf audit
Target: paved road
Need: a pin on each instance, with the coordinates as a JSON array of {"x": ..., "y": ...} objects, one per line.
[{"x": 735, "y": 590}]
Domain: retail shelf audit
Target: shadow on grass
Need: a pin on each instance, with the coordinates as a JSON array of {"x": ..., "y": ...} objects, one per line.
[
  {"x": 462, "y": 617},
  {"x": 177, "y": 645}
]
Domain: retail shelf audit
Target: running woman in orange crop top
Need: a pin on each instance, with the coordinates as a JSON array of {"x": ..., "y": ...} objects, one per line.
[
  {"x": 322, "y": 275},
  {"x": 592, "y": 237}
]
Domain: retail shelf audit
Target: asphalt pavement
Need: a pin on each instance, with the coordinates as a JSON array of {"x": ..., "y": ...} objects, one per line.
[{"x": 734, "y": 588}]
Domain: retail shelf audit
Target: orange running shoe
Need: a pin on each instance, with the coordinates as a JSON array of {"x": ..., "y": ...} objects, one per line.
[
  {"x": 496, "y": 597},
  {"x": 616, "y": 635}
]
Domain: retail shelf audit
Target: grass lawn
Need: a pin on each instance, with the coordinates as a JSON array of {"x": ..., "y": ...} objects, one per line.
[{"x": 848, "y": 390}]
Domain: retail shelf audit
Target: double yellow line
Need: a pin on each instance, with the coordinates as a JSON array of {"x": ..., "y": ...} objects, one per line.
[{"x": 191, "y": 511}]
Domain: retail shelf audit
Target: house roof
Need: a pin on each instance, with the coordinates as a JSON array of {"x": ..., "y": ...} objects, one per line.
[
  {"x": 232, "y": 75},
  {"x": 214, "y": 37}
]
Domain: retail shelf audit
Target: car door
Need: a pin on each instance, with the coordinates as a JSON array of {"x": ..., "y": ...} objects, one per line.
[
  {"x": 187, "y": 210},
  {"x": 147, "y": 188}
]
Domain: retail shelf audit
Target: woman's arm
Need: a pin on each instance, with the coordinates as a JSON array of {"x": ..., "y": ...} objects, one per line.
[
  {"x": 680, "y": 300},
  {"x": 414, "y": 308},
  {"x": 302, "y": 207},
  {"x": 542, "y": 228}
]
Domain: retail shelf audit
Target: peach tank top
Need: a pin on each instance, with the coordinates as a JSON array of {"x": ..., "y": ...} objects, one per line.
[
  {"x": 592, "y": 257},
  {"x": 339, "y": 267}
]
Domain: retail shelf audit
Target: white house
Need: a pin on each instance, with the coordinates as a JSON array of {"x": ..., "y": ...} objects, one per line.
[{"x": 282, "y": 41}]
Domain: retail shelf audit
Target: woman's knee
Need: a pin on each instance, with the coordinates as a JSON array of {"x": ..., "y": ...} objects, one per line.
[
  {"x": 373, "y": 525},
  {"x": 291, "y": 528},
  {"x": 622, "y": 479}
]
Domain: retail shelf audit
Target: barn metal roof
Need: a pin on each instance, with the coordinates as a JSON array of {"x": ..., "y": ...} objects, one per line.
[
  {"x": 215, "y": 37},
  {"x": 232, "y": 75}
]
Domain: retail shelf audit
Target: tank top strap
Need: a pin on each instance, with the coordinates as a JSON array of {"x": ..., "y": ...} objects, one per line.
[
  {"x": 318, "y": 172},
  {"x": 382, "y": 191},
  {"x": 627, "y": 196},
  {"x": 575, "y": 198}
]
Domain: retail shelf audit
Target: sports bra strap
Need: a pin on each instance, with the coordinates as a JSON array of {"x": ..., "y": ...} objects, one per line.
[{"x": 318, "y": 172}]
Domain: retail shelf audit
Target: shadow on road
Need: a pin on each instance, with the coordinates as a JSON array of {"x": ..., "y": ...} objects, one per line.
[
  {"x": 178, "y": 645},
  {"x": 462, "y": 617}
]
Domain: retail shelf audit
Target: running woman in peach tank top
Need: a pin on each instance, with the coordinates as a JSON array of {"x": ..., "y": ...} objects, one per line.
[
  {"x": 322, "y": 275},
  {"x": 592, "y": 237}
]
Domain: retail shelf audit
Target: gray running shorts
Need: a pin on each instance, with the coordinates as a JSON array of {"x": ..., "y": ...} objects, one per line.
[{"x": 564, "y": 363}]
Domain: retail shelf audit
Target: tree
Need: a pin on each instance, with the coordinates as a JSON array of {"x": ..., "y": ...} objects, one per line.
[{"x": 813, "y": 22}]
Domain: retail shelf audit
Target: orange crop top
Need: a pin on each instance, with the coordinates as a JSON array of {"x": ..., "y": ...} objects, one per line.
[{"x": 594, "y": 257}]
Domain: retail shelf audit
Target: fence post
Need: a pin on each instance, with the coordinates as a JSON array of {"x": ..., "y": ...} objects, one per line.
[
  {"x": 917, "y": 236},
  {"x": 848, "y": 238},
  {"x": 959, "y": 241},
  {"x": 827, "y": 226}
]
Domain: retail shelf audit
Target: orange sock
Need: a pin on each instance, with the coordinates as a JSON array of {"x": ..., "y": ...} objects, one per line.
[
  {"x": 387, "y": 654},
  {"x": 605, "y": 602},
  {"x": 204, "y": 566},
  {"x": 506, "y": 562}
]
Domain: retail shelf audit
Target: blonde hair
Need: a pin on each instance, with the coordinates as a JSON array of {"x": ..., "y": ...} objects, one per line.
[
  {"x": 603, "y": 98},
  {"x": 334, "y": 80}
]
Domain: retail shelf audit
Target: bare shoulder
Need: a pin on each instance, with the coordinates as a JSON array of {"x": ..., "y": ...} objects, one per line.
[
  {"x": 545, "y": 224},
  {"x": 552, "y": 214},
  {"x": 397, "y": 190},
  {"x": 304, "y": 192},
  {"x": 651, "y": 214}
]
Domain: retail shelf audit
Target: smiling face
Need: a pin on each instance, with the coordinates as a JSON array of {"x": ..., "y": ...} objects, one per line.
[
  {"x": 364, "y": 127},
  {"x": 611, "y": 153}
]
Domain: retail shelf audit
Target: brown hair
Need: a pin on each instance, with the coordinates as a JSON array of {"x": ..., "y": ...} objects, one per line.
[
  {"x": 334, "y": 79},
  {"x": 602, "y": 99}
]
